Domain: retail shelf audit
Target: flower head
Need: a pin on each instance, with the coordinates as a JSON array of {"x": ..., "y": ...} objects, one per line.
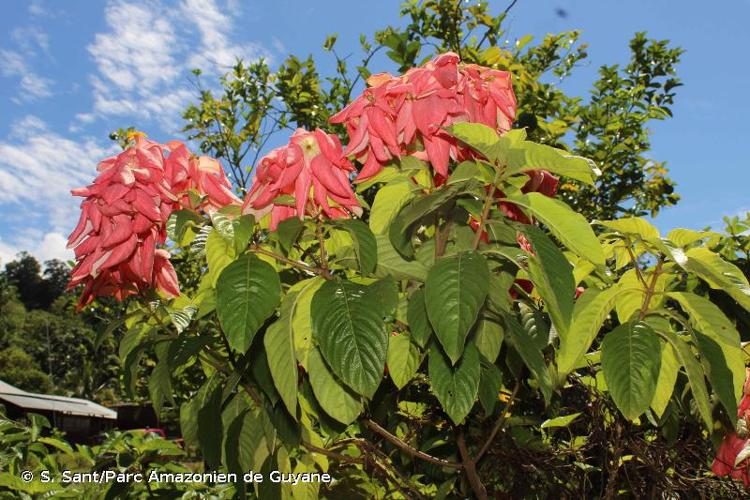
[
  {"x": 406, "y": 115},
  {"x": 308, "y": 176},
  {"x": 201, "y": 174},
  {"x": 124, "y": 215}
]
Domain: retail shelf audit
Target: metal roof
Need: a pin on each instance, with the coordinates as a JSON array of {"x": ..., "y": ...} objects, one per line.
[{"x": 59, "y": 404}]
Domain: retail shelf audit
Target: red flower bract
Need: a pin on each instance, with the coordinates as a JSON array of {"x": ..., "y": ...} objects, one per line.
[
  {"x": 406, "y": 115},
  {"x": 312, "y": 172},
  {"x": 733, "y": 444},
  {"x": 124, "y": 214}
]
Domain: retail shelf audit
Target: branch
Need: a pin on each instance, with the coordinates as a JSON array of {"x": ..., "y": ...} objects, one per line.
[
  {"x": 470, "y": 466},
  {"x": 499, "y": 424},
  {"x": 377, "y": 429}
]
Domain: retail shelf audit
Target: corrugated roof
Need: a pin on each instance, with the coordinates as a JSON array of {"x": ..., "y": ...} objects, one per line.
[{"x": 60, "y": 404}]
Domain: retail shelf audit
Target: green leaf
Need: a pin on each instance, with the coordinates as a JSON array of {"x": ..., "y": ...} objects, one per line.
[
  {"x": 685, "y": 237},
  {"x": 390, "y": 263},
  {"x": 351, "y": 334},
  {"x": 457, "y": 386},
  {"x": 532, "y": 357},
  {"x": 719, "y": 274},
  {"x": 404, "y": 358},
  {"x": 718, "y": 371},
  {"x": 209, "y": 427},
  {"x": 480, "y": 137},
  {"x": 562, "y": 421},
  {"x": 244, "y": 445},
  {"x": 416, "y": 315},
  {"x": 400, "y": 231},
  {"x": 288, "y": 231},
  {"x": 385, "y": 292},
  {"x": 489, "y": 338},
  {"x": 455, "y": 290},
  {"x": 219, "y": 254},
  {"x": 695, "y": 376},
  {"x": 668, "y": 371},
  {"x": 528, "y": 155},
  {"x": 301, "y": 323},
  {"x": 365, "y": 245},
  {"x": 709, "y": 320},
  {"x": 243, "y": 231},
  {"x": 467, "y": 170},
  {"x": 631, "y": 358},
  {"x": 336, "y": 400},
  {"x": 552, "y": 275},
  {"x": 489, "y": 385},
  {"x": 389, "y": 200},
  {"x": 179, "y": 221},
  {"x": 160, "y": 381},
  {"x": 247, "y": 293},
  {"x": 589, "y": 315},
  {"x": 279, "y": 343},
  {"x": 632, "y": 226},
  {"x": 570, "y": 227}
]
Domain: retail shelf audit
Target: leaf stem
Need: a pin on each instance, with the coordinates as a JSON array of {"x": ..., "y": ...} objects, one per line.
[
  {"x": 377, "y": 429},
  {"x": 485, "y": 211},
  {"x": 650, "y": 290},
  {"x": 499, "y": 424}
]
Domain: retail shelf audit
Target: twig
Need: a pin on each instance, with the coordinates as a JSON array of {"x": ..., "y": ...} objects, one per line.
[
  {"x": 499, "y": 424},
  {"x": 470, "y": 467},
  {"x": 377, "y": 429}
]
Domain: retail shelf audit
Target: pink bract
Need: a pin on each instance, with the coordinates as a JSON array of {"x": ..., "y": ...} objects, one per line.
[
  {"x": 124, "y": 215},
  {"x": 406, "y": 115},
  {"x": 308, "y": 176}
]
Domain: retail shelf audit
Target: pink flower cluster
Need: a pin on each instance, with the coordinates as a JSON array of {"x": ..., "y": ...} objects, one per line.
[
  {"x": 406, "y": 115},
  {"x": 734, "y": 443},
  {"x": 313, "y": 171},
  {"x": 200, "y": 174},
  {"x": 124, "y": 214}
]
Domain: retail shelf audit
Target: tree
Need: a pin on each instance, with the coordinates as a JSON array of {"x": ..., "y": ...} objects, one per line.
[
  {"x": 35, "y": 289},
  {"x": 19, "y": 369},
  {"x": 464, "y": 310},
  {"x": 24, "y": 274}
]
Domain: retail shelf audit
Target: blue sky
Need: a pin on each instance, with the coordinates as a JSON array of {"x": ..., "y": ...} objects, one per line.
[{"x": 72, "y": 70}]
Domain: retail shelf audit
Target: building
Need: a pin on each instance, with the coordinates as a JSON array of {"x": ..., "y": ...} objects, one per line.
[{"x": 80, "y": 419}]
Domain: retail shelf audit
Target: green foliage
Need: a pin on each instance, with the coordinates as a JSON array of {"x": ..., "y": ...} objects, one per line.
[
  {"x": 308, "y": 337},
  {"x": 19, "y": 369},
  {"x": 304, "y": 348}
]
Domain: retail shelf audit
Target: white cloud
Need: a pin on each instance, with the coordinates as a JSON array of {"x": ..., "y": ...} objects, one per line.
[
  {"x": 31, "y": 38},
  {"x": 217, "y": 51},
  {"x": 38, "y": 168},
  {"x": 145, "y": 57},
  {"x": 51, "y": 246},
  {"x": 13, "y": 64}
]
